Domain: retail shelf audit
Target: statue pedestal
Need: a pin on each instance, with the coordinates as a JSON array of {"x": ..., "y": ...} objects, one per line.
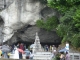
[{"x": 37, "y": 44}]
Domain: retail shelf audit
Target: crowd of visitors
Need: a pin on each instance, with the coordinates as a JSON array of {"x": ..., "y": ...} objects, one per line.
[
  {"x": 56, "y": 55},
  {"x": 19, "y": 50},
  {"x": 23, "y": 51},
  {"x": 63, "y": 56}
]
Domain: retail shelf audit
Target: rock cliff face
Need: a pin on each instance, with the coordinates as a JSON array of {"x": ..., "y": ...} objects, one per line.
[
  {"x": 19, "y": 18},
  {"x": 27, "y": 34}
]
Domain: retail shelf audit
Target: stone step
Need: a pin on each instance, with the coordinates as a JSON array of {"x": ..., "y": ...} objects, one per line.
[{"x": 42, "y": 56}]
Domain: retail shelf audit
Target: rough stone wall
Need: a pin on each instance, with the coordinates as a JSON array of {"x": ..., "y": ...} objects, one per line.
[
  {"x": 18, "y": 14},
  {"x": 1, "y": 28},
  {"x": 21, "y": 13}
]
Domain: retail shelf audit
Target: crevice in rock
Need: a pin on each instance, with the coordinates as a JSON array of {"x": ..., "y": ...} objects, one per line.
[
  {"x": 1, "y": 28},
  {"x": 23, "y": 29},
  {"x": 26, "y": 35}
]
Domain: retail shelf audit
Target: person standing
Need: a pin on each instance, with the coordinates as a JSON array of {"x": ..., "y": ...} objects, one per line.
[
  {"x": 5, "y": 49},
  {"x": 62, "y": 56},
  {"x": 21, "y": 46},
  {"x": 67, "y": 57},
  {"x": 46, "y": 47},
  {"x": 27, "y": 53},
  {"x": 50, "y": 48}
]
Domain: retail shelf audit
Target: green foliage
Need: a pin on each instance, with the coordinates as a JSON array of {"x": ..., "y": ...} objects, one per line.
[
  {"x": 40, "y": 23},
  {"x": 50, "y": 24},
  {"x": 57, "y": 57},
  {"x": 66, "y": 24},
  {"x": 62, "y": 5},
  {"x": 61, "y": 30},
  {"x": 77, "y": 20},
  {"x": 76, "y": 40},
  {"x": 68, "y": 27}
]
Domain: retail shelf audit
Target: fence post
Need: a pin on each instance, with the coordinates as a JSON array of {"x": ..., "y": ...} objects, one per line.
[
  {"x": 79, "y": 56},
  {"x": 73, "y": 56}
]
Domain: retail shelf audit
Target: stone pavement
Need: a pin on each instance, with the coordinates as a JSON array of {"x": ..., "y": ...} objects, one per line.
[{"x": 42, "y": 56}]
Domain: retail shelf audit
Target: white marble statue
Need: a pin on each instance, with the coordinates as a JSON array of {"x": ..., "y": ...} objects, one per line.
[{"x": 37, "y": 45}]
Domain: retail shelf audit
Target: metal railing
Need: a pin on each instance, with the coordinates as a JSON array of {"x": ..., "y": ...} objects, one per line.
[{"x": 74, "y": 56}]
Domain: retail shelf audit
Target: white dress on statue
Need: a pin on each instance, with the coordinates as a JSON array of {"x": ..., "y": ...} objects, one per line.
[{"x": 16, "y": 54}]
